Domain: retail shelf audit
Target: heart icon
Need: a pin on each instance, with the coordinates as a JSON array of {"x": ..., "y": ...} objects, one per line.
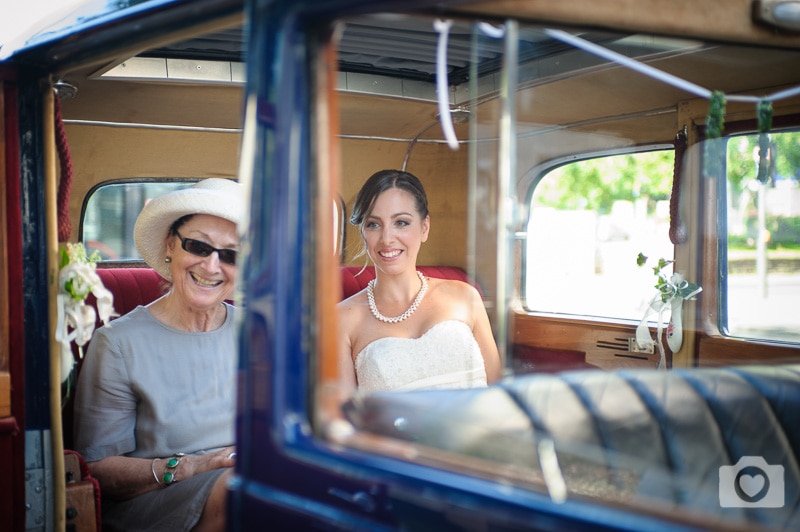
[{"x": 751, "y": 484}]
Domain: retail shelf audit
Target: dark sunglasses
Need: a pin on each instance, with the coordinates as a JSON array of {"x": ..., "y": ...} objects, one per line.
[{"x": 201, "y": 249}]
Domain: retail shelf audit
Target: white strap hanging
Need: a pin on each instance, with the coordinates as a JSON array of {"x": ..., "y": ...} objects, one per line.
[
  {"x": 647, "y": 70},
  {"x": 442, "y": 27},
  {"x": 671, "y": 298}
]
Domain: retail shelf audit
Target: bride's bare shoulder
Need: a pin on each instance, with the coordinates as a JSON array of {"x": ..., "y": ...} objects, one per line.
[
  {"x": 452, "y": 287},
  {"x": 357, "y": 299}
]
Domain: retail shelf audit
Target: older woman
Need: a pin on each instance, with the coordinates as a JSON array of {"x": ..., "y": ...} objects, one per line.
[
  {"x": 405, "y": 331},
  {"x": 155, "y": 401}
]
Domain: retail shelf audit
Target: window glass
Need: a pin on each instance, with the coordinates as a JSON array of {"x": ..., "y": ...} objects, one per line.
[
  {"x": 589, "y": 220},
  {"x": 763, "y": 239},
  {"x": 571, "y": 156},
  {"x": 110, "y": 212}
]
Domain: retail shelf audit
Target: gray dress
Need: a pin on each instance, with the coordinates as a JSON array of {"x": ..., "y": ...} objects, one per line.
[{"x": 147, "y": 390}]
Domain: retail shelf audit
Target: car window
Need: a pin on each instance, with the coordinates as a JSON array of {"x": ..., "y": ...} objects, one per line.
[
  {"x": 762, "y": 239},
  {"x": 576, "y": 194},
  {"x": 589, "y": 220},
  {"x": 110, "y": 211}
]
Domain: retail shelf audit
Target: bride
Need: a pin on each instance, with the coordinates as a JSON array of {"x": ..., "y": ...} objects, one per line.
[{"x": 406, "y": 331}]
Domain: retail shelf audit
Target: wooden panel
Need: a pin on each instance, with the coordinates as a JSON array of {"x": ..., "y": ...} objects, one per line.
[
  {"x": 443, "y": 174},
  {"x": 720, "y": 351},
  {"x": 714, "y": 19},
  {"x": 103, "y": 153},
  {"x": 180, "y": 104},
  {"x": 604, "y": 344}
]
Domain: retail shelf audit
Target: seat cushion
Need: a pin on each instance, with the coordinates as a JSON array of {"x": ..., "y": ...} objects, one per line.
[{"x": 650, "y": 434}]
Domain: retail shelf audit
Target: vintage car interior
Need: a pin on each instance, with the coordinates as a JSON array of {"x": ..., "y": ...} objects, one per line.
[{"x": 557, "y": 145}]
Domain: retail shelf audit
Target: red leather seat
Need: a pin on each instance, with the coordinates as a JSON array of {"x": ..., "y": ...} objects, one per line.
[{"x": 355, "y": 278}]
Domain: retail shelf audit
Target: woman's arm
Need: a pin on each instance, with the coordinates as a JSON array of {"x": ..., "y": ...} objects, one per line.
[
  {"x": 123, "y": 477},
  {"x": 482, "y": 330},
  {"x": 347, "y": 371}
]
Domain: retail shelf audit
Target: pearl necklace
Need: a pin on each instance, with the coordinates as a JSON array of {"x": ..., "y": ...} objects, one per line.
[{"x": 404, "y": 315}]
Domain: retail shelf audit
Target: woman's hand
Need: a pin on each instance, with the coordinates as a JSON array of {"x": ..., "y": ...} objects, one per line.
[
  {"x": 196, "y": 464},
  {"x": 122, "y": 477}
]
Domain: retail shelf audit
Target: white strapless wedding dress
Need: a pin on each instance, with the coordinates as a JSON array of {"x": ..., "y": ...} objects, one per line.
[{"x": 445, "y": 356}]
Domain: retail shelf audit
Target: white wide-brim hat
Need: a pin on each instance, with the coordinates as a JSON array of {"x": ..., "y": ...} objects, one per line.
[{"x": 215, "y": 196}]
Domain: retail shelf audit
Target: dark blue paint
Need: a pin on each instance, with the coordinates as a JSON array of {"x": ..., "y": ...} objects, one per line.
[{"x": 34, "y": 255}]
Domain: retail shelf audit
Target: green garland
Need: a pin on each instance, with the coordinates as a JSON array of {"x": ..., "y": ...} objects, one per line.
[
  {"x": 667, "y": 286},
  {"x": 764, "y": 112},
  {"x": 715, "y": 123}
]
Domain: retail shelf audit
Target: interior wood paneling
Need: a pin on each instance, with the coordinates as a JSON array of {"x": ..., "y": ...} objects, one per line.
[
  {"x": 721, "y": 351},
  {"x": 711, "y": 19},
  {"x": 443, "y": 174},
  {"x": 103, "y": 153},
  {"x": 599, "y": 341},
  {"x": 176, "y": 104},
  {"x": 366, "y": 115}
]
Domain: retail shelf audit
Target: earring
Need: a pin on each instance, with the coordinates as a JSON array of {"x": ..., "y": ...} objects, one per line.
[{"x": 167, "y": 259}]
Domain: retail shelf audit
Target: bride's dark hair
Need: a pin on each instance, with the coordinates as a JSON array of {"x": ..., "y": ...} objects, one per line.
[{"x": 382, "y": 181}]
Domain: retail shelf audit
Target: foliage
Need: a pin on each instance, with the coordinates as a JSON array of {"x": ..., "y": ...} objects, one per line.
[
  {"x": 595, "y": 184},
  {"x": 784, "y": 233},
  {"x": 742, "y": 151},
  {"x": 715, "y": 123},
  {"x": 669, "y": 286}
]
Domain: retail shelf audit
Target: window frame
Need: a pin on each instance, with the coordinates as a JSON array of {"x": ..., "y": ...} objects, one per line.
[
  {"x": 133, "y": 181},
  {"x": 527, "y": 187},
  {"x": 734, "y": 131}
]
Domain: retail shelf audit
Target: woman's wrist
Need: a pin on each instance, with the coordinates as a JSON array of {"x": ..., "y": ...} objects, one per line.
[
  {"x": 155, "y": 475},
  {"x": 170, "y": 472},
  {"x": 171, "y": 469}
]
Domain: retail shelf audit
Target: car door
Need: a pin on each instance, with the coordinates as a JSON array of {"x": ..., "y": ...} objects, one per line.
[{"x": 302, "y": 461}]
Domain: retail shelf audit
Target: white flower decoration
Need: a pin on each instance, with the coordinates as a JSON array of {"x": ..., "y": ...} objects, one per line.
[
  {"x": 76, "y": 280},
  {"x": 671, "y": 293}
]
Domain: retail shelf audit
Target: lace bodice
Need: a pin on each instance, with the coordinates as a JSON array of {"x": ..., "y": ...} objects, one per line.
[{"x": 445, "y": 356}]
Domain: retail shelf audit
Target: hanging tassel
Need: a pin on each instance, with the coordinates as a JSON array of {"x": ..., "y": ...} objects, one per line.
[
  {"x": 678, "y": 233},
  {"x": 764, "y": 112},
  {"x": 65, "y": 182}
]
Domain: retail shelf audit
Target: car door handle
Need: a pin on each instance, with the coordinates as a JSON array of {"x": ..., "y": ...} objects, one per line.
[{"x": 362, "y": 499}]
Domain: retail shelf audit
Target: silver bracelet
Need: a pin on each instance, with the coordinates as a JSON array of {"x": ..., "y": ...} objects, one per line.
[
  {"x": 155, "y": 476},
  {"x": 170, "y": 471}
]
